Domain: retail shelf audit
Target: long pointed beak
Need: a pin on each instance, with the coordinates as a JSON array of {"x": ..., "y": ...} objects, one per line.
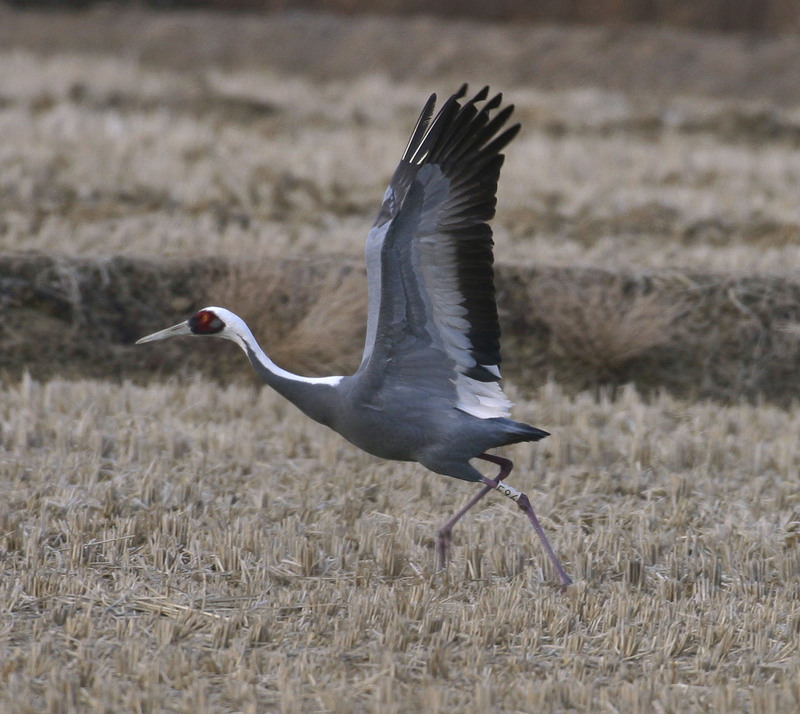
[{"x": 174, "y": 331}]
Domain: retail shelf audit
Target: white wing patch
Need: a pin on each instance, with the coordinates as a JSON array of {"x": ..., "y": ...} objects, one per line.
[{"x": 484, "y": 400}]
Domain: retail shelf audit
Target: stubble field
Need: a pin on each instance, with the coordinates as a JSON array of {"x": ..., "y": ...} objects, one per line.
[{"x": 181, "y": 545}]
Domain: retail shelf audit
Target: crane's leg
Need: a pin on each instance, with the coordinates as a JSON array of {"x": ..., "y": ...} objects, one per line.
[
  {"x": 523, "y": 502},
  {"x": 444, "y": 534}
]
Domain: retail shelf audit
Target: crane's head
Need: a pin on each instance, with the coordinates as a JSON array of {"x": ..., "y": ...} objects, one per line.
[{"x": 213, "y": 321}]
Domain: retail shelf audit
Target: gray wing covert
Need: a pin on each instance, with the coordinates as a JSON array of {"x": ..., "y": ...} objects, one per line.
[{"x": 433, "y": 317}]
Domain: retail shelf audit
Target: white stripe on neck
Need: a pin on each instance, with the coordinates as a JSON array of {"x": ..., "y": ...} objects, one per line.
[{"x": 236, "y": 330}]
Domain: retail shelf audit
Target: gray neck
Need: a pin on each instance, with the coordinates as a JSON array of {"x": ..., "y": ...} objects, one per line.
[{"x": 315, "y": 397}]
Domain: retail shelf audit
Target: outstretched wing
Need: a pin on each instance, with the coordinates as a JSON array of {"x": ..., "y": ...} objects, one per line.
[{"x": 432, "y": 321}]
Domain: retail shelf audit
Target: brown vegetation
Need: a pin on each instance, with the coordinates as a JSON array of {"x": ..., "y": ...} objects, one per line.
[
  {"x": 605, "y": 325},
  {"x": 185, "y": 547},
  {"x": 699, "y": 336}
]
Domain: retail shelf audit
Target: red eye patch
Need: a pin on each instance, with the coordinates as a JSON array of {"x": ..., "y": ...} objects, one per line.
[{"x": 205, "y": 322}]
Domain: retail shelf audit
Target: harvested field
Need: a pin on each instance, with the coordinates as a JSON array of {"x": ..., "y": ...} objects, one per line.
[
  {"x": 173, "y": 537},
  {"x": 184, "y": 547}
]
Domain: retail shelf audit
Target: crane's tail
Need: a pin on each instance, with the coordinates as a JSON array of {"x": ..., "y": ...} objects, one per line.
[{"x": 517, "y": 431}]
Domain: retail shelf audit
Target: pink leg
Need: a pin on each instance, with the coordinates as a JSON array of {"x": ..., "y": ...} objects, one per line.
[
  {"x": 524, "y": 503},
  {"x": 445, "y": 532}
]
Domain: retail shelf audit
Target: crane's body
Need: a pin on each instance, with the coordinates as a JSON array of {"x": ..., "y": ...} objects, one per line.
[{"x": 427, "y": 389}]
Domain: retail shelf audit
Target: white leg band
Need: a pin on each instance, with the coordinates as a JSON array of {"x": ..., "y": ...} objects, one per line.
[{"x": 509, "y": 491}]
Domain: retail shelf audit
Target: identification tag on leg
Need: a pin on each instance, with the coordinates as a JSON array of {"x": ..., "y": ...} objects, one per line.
[{"x": 509, "y": 491}]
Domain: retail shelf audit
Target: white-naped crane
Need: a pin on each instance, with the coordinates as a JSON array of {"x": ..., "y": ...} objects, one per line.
[{"x": 427, "y": 389}]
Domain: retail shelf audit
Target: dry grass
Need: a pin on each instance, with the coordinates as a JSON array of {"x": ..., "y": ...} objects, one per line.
[
  {"x": 187, "y": 547},
  {"x": 604, "y": 325},
  {"x": 329, "y": 337},
  {"x": 105, "y": 155}
]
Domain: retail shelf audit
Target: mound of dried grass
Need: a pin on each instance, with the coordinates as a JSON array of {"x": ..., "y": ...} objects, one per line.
[
  {"x": 604, "y": 324},
  {"x": 707, "y": 336}
]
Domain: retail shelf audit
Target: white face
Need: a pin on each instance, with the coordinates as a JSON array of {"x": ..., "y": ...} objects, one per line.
[
  {"x": 204, "y": 322},
  {"x": 210, "y": 321},
  {"x": 219, "y": 322}
]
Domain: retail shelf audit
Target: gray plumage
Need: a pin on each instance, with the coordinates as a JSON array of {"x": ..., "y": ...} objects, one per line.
[{"x": 427, "y": 389}]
